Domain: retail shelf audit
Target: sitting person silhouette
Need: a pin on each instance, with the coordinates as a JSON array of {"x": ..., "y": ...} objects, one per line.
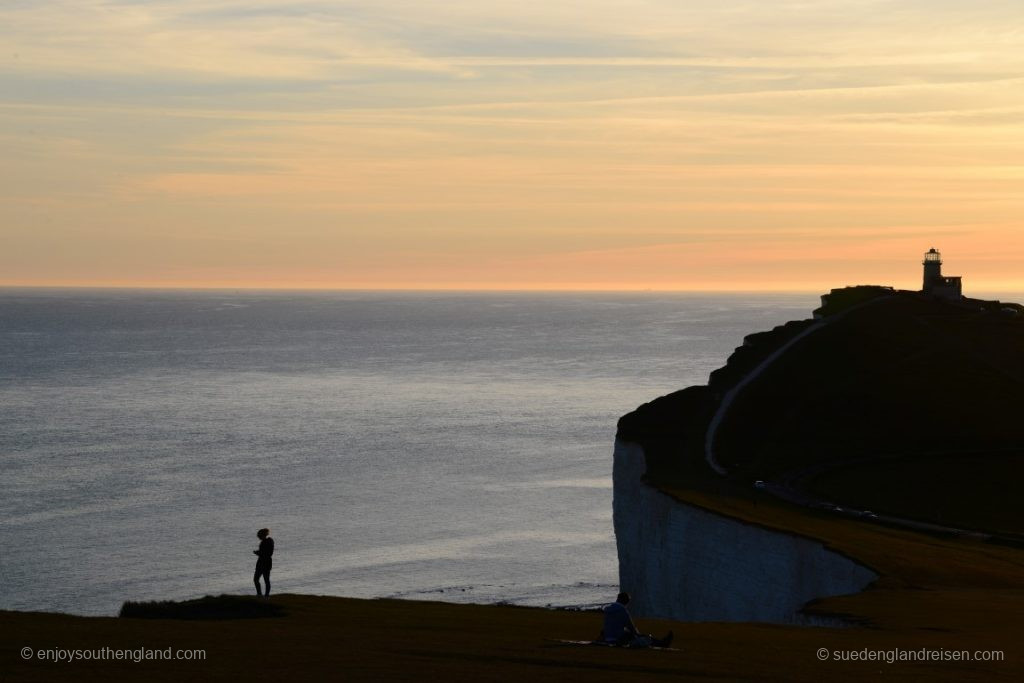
[
  {"x": 263, "y": 561},
  {"x": 620, "y": 630}
]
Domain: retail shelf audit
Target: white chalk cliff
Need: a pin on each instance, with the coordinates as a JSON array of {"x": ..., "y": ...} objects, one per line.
[{"x": 686, "y": 563}]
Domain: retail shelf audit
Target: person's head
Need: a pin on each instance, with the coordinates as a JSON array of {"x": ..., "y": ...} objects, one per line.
[
  {"x": 262, "y": 533},
  {"x": 623, "y": 598}
]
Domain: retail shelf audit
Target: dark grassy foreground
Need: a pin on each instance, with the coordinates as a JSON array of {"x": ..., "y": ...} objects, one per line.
[{"x": 326, "y": 638}]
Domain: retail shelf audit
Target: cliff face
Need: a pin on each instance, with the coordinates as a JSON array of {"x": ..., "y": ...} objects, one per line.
[{"x": 681, "y": 562}]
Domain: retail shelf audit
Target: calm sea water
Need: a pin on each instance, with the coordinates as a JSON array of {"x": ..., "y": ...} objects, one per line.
[{"x": 448, "y": 446}]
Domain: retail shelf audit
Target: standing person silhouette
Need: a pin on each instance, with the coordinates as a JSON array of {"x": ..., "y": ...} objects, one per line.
[{"x": 263, "y": 561}]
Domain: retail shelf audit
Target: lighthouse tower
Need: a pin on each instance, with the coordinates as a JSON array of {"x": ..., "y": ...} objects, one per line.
[
  {"x": 932, "y": 269},
  {"x": 935, "y": 283}
]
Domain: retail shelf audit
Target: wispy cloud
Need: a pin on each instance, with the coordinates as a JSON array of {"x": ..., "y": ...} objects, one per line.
[{"x": 504, "y": 136}]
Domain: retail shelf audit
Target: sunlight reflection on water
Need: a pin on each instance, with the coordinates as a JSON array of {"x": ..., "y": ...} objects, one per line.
[{"x": 448, "y": 446}]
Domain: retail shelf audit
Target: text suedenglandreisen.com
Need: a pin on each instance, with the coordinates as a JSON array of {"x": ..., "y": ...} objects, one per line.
[{"x": 897, "y": 655}]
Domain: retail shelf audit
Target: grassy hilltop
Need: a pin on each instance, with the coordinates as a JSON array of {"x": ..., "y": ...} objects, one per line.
[{"x": 897, "y": 402}]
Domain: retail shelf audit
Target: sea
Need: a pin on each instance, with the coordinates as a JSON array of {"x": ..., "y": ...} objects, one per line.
[{"x": 450, "y": 446}]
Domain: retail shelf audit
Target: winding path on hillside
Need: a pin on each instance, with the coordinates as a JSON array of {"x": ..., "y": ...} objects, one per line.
[{"x": 730, "y": 396}]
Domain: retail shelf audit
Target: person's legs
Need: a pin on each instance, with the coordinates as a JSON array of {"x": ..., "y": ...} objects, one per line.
[
  {"x": 256, "y": 580},
  {"x": 663, "y": 642},
  {"x": 646, "y": 640},
  {"x": 266, "y": 581}
]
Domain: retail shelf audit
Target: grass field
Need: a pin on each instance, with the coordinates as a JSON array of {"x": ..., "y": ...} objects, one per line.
[{"x": 325, "y": 638}]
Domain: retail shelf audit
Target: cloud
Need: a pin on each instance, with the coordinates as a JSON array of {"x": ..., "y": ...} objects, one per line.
[{"x": 559, "y": 135}]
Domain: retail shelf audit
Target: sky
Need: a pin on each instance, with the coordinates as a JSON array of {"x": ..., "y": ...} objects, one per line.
[{"x": 511, "y": 144}]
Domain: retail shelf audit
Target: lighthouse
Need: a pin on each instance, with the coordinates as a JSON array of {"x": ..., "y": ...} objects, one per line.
[
  {"x": 935, "y": 283},
  {"x": 932, "y": 269}
]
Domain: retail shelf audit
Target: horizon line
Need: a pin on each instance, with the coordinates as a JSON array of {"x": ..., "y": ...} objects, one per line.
[
  {"x": 260, "y": 288},
  {"x": 478, "y": 290}
]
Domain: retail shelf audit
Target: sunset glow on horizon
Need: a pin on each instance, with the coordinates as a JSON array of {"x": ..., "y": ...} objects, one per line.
[{"x": 607, "y": 144}]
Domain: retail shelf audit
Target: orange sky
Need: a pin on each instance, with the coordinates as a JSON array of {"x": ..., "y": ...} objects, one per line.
[{"x": 496, "y": 144}]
